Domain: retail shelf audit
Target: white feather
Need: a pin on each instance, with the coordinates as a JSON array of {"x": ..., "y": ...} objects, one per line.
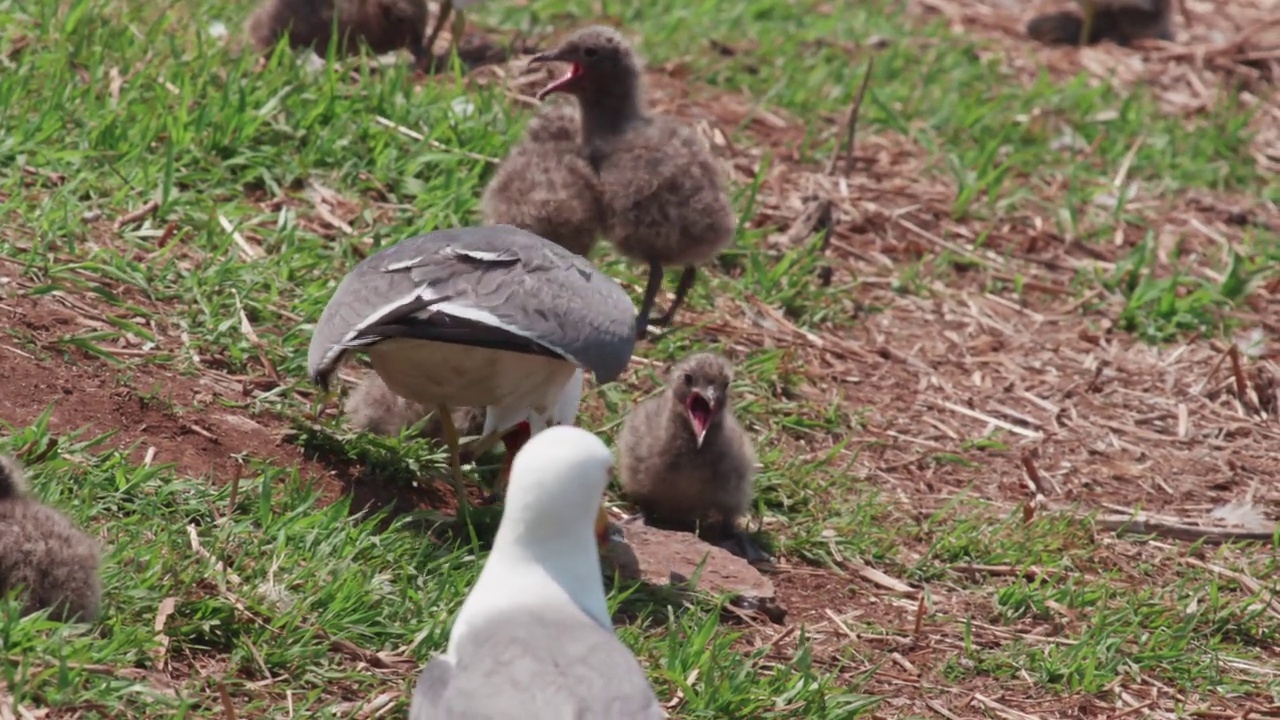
[{"x": 545, "y": 550}]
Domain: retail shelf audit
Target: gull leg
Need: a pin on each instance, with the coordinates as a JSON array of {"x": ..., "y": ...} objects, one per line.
[
  {"x": 446, "y": 7},
  {"x": 450, "y": 432},
  {"x": 686, "y": 283},
  {"x": 650, "y": 294}
]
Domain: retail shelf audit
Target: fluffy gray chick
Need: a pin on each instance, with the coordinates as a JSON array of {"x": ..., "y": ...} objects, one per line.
[
  {"x": 684, "y": 457},
  {"x": 43, "y": 552},
  {"x": 372, "y": 407},
  {"x": 663, "y": 195},
  {"x": 383, "y": 25},
  {"x": 546, "y": 185}
]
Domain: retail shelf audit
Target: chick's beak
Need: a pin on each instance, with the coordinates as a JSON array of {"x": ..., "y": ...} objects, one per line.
[
  {"x": 700, "y": 408},
  {"x": 549, "y": 56}
]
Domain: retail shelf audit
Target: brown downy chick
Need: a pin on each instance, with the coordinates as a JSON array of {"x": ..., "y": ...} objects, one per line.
[
  {"x": 43, "y": 552},
  {"x": 383, "y": 25},
  {"x": 546, "y": 185},
  {"x": 663, "y": 194},
  {"x": 684, "y": 459},
  {"x": 1120, "y": 21},
  {"x": 372, "y": 407}
]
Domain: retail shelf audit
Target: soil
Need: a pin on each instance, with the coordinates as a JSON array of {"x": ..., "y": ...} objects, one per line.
[
  {"x": 163, "y": 415},
  {"x": 1084, "y": 412}
]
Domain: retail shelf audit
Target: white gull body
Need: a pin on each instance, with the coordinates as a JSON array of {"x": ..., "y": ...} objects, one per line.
[{"x": 534, "y": 640}]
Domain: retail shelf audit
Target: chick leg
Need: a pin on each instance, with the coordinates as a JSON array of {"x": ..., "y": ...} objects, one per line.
[
  {"x": 446, "y": 7},
  {"x": 739, "y": 543},
  {"x": 1086, "y": 27},
  {"x": 458, "y": 28},
  {"x": 686, "y": 283},
  {"x": 650, "y": 294},
  {"x": 450, "y": 433},
  {"x": 422, "y": 57}
]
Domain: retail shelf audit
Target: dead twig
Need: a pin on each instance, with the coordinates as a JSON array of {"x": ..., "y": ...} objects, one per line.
[
  {"x": 415, "y": 135},
  {"x": 1140, "y": 523},
  {"x": 141, "y": 213},
  {"x": 1033, "y": 475},
  {"x": 845, "y": 150}
]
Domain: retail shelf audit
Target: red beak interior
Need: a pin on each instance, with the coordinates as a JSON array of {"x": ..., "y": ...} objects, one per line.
[
  {"x": 699, "y": 411},
  {"x": 575, "y": 72}
]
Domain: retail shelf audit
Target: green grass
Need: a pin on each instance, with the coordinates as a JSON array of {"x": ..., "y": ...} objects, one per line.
[{"x": 106, "y": 106}]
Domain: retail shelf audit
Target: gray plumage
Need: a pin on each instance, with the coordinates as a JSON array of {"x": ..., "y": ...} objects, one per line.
[
  {"x": 372, "y": 407},
  {"x": 43, "y": 552},
  {"x": 489, "y": 316},
  {"x": 383, "y": 25},
  {"x": 495, "y": 287},
  {"x": 546, "y": 184},
  {"x": 673, "y": 477},
  {"x": 554, "y": 664},
  {"x": 1120, "y": 21},
  {"x": 663, "y": 195},
  {"x": 534, "y": 638}
]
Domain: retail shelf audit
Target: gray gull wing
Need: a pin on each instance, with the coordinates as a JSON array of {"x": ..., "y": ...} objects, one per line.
[
  {"x": 545, "y": 664},
  {"x": 492, "y": 286}
]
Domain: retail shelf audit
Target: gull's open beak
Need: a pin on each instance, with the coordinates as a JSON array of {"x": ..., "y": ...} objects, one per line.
[{"x": 602, "y": 528}]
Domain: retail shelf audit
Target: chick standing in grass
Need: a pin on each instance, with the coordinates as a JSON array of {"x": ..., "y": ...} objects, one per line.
[
  {"x": 383, "y": 25},
  {"x": 43, "y": 554},
  {"x": 546, "y": 184},
  {"x": 663, "y": 196},
  {"x": 684, "y": 459},
  {"x": 1120, "y": 21}
]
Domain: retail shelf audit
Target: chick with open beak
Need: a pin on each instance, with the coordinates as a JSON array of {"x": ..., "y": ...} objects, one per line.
[
  {"x": 685, "y": 459},
  {"x": 702, "y": 403}
]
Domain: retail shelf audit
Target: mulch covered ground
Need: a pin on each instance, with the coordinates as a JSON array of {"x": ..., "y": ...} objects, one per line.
[{"x": 1086, "y": 416}]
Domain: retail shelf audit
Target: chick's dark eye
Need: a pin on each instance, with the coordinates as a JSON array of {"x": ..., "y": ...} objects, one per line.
[
  {"x": 590, "y": 52},
  {"x": 688, "y": 379}
]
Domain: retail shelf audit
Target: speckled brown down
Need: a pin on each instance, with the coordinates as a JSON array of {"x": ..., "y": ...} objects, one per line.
[
  {"x": 1120, "y": 21},
  {"x": 546, "y": 185},
  {"x": 42, "y": 552},
  {"x": 372, "y": 407},
  {"x": 383, "y": 25},
  {"x": 676, "y": 477},
  {"x": 663, "y": 195}
]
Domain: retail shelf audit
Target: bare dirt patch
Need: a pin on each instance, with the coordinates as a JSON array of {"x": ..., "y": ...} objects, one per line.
[
  {"x": 166, "y": 415},
  {"x": 170, "y": 417}
]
